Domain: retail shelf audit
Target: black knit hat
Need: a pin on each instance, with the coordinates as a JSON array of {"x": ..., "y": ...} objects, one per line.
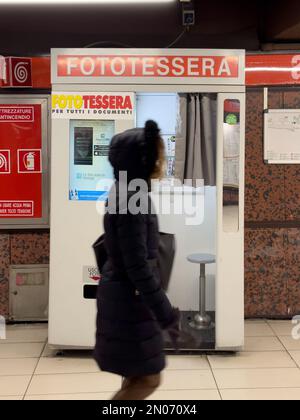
[{"x": 135, "y": 151}]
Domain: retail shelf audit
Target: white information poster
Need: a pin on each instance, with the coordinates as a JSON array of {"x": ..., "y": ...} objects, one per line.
[
  {"x": 282, "y": 136},
  {"x": 90, "y": 170}
]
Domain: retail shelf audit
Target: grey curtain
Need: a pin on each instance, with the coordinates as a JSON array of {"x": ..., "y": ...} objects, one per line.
[{"x": 196, "y": 138}]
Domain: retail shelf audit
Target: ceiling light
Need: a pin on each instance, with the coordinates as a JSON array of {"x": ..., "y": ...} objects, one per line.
[{"x": 82, "y": 2}]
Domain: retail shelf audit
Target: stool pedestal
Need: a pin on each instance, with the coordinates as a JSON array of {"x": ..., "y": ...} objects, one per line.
[{"x": 202, "y": 321}]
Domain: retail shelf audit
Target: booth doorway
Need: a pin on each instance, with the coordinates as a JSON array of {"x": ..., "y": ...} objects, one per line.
[{"x": 189, "y": 123}]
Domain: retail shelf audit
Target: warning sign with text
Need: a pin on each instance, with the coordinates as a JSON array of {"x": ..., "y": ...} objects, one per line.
[
  {"x": 21, "y": 177},
  {"x": 19, "y": 113},
  {"x": 16, "y": 208}
]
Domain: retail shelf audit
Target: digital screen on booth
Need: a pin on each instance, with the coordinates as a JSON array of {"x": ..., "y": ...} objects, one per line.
[{"x": 91, "y": 174}]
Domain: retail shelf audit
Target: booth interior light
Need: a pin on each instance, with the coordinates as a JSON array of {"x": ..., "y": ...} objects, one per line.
[{"x": 84, "y": 2}]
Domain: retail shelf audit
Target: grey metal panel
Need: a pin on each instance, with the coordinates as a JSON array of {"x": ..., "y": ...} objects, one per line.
[
  {"x": 43, "y": 222},
  {"x": 29, "y": 292}
]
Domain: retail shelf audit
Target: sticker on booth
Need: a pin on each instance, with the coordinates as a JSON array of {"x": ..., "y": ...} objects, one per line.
[
  {"x": 29, "y": 161},
  {"x": 4, "y": 162},
  {"x": 105, "y": 106},
  {"x": 91, "y": 275}
]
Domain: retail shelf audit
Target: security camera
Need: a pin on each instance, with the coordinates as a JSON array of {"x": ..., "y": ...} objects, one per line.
[
  {"x": 188, "y": 17},
  {"x": 188, "y": 13}
]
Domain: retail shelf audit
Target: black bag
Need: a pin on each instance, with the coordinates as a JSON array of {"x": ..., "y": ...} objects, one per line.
[
  {"x": 166, "y": 255},
  {"x": 100, "y": 252}
]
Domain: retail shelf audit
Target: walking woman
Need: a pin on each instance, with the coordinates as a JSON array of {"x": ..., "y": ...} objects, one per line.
[{"x": 133, "y": 310}]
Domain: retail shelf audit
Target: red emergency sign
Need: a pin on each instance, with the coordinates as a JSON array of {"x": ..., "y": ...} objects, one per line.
[{"x": 20, "y": 161}]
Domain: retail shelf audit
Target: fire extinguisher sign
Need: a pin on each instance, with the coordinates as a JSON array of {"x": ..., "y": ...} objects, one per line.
[
  {"x": 29, "y": 161},
  {"x": 21, "y": 192}
]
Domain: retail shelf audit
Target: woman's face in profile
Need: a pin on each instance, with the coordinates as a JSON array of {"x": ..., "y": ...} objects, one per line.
[{"x": 159, "y": 169}]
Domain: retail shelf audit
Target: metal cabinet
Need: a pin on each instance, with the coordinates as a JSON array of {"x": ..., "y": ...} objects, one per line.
[{"x": 29, "y": 292}]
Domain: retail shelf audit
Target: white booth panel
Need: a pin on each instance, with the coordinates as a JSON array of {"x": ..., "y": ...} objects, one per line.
[
  {"x": 190, "y": 239},
  {"x": 230, "y": 244},
  {"x": 75, "y": 225}
]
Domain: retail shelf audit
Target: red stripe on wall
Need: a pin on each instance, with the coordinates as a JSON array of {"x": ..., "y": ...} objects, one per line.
[{"x": 261, "y": 70}]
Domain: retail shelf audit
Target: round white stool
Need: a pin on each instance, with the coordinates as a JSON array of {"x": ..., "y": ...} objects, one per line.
[{"x": 202, "y": 320}]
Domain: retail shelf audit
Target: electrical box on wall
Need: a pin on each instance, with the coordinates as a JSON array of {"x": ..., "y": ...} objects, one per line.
[{"x": 29, "y": 292}]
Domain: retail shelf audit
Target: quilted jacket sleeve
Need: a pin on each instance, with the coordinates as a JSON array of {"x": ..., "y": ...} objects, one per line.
[{"x": 132, "y": 238}]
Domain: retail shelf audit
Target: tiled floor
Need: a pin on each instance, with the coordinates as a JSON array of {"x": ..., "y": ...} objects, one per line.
[{"x": 268, "y": 369}]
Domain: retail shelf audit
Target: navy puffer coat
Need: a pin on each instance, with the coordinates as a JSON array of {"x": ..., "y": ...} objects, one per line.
[{"x": 132, "y": 307}]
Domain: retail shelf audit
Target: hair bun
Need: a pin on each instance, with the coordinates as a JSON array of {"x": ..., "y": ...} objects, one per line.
[{"x": 151, "y": 129}]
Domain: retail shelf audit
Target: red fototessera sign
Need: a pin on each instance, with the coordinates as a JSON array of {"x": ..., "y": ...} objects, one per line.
[
  {"x": 20, "y": 161},
  {"x": 147, "y": 66}
]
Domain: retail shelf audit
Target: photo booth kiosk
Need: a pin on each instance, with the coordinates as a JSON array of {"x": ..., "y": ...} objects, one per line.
[{"x": 198, "y": 99}]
